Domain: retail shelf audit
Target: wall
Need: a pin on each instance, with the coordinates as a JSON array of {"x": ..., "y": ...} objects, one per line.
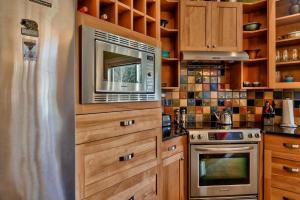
[{"x": 205, "y": 89}]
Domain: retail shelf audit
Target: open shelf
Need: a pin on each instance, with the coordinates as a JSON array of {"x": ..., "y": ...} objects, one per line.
[
  {"x": 170, "y": 88},
  {"x": 288, "y": 63},
  {"x": 136, "y": 15},
  {"x": 170, "y": 75},
  {"x": 257, "y": 5},
  {"x": 167, "y": 60},
  {"x": 287, "y": 42},
  {"x": 167, "y": 32},
  {"x": 257, "y": 33},
  {"x": 255, "y": 60},
  {"x": 255, "y": 88},
  {"x": 289, "y": 19},
  {"x": 167, "y": 5}
]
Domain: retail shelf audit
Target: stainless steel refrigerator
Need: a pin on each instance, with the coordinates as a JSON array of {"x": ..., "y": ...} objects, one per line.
[{"x": 37, "y": 122}]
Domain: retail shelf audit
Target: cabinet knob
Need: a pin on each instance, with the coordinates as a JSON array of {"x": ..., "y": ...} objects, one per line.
[
  {"x": 208, "y": 46},
  {"x": 291, "y": 146},
  {"x": 214, "y": 46},
  {"x": 127, "y": 123},
  {"x": 290, "y": 169},
  {"x": 285, "y": 198},
  {"x": 127, "y": 157},
  {"x": 172, "y": 148}
]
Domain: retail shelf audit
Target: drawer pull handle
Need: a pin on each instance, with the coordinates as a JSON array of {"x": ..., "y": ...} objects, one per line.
[
  {"x": 172, "y": 148},
  {"x": 127, "y": 157},
  {"x": 131, "y": 198},
  {"x": 291, "y": 146},
  {"x": 127, "y": 123},
  {"x": 285, "y": 198},
  {"x": 291, "y": 170}
]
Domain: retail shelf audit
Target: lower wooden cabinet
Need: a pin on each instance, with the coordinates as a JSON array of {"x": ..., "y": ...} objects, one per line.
[
  {"x": 174, "y": 169},
  {"x": 281, "y": 168}
]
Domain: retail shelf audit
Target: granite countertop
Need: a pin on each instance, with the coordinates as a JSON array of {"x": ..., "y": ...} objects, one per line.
[
  {"x": 174, "y": 135},
  {"x": 282, "y": 131}
]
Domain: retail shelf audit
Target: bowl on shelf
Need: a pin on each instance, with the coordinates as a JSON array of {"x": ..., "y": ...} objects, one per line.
[
  {"x": 253, "y": 53},
  {"x": 253, "y": 26},
  {"x": 294, "y": 9},
  {"x": 256, "y": 84},
  {"x": 247, "y": 84},
  {"x": 165, "y": 54},
  {"x": 289, "y": 78},
  {"x": 164, "y": 22}
]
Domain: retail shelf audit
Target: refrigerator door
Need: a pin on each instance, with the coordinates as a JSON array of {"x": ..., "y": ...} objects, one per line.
[{"x": 37, "y": 125}]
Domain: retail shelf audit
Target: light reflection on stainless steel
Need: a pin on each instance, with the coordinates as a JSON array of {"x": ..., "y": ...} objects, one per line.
[{"x": 37, "y": 103}]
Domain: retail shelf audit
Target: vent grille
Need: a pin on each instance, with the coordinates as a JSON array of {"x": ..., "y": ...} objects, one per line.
[
  {"x": 108, "y": 37},
  {"x": 123, "y": 97}
]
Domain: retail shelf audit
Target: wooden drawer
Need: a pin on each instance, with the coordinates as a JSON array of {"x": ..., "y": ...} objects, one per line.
[
  {"x": 277, "y": 194},
  {"x": 139, "y": 187},
  {"x": 286, "y": 174},
  {"x": 105, "y": 163},
  {"x": 173, "y": 146},
  {"x": 282, "y": 144},
  {"x": 99, "y": 126}
]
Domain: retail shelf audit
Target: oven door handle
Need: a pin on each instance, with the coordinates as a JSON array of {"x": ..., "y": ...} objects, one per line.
[{"x": 222, "y": 149}]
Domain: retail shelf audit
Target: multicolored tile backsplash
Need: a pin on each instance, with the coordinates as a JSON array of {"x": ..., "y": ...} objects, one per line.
[{"x": 205, "y": 89}]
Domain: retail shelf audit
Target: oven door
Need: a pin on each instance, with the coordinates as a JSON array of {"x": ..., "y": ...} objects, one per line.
[
  {"x": 123, "y": 70},
  {"x": 223, "y": 170}
]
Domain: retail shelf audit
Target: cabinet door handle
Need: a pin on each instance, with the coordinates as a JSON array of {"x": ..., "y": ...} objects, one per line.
[
  {"x": 290, "y": 169},
  {"x": 285, "y": 198},
  {"x": 131, "y": 198},
  {"x": 172, "y": 148},
  {"x": 127, "y": 123},
  {"x": 127, "y": 157},
  {"x": 291, "y": 146},
  {"x": 214, "y": 46}
]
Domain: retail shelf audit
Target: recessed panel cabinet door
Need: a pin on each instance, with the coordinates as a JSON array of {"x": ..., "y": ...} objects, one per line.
[
  {"x": 227, "y": 26},
  {"x": 195, "y": 27}
]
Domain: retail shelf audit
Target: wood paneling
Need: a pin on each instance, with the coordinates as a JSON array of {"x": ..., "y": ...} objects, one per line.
[
  {"x": 174, "y": 146},
  {"x": 195, "y": 25},
  {"x": 99, "y": 126},
  {"x": 277, "y": 194},
  {"x": 227, "y": 27},
  {"x": 282, "y": 144},
  {"x": 100, "y": 165}
]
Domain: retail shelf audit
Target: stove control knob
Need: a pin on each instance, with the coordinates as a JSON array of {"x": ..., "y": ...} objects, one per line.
[
  {"x": 257, "y": 135},
  {"x": 250, "y": 135},
  {"x": 192, "y": 137},
  {"x": 199, "y": 137}
]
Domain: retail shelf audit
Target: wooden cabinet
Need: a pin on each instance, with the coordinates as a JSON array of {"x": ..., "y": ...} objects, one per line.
[
  {"x": 211, "y": 26},
  {"x": 281, "y": 168},
  {"x": 174, "y": 169}
]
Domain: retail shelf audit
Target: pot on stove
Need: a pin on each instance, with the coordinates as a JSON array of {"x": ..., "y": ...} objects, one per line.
[{"x": 224, "y": 117}]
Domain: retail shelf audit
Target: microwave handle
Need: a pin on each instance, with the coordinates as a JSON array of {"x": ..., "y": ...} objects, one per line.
[{"x": 223, "y": 149}]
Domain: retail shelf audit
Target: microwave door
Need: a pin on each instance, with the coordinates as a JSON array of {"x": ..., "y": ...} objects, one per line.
[{"x": 119, "y": 69}]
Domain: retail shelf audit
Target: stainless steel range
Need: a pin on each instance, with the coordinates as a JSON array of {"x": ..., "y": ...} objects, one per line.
[{"x": 224, "y": 164}]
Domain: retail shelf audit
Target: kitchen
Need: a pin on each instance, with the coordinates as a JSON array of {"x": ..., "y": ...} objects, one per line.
[{"x": 150, "y": 99}]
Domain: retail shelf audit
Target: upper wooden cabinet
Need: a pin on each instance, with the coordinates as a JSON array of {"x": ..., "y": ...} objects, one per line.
[{"x": 211, "y": 26}]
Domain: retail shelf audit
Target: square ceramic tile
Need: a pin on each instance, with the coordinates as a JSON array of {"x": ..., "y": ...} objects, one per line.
[
  {"x": 243, "y": 102},
  {"x": 190, "y": 95},
  {"x": 191, "y": 118},
  {"x": 221, "y": 95},
  {"x": 206, "y": 79},
  {"x": 191, "y": 79},
  {"x": 214, "y": 95},
  {"x": 214, "y": 72},
  {"x": 258, "y": 110},
  {"x": 206, "y": 72},
  {"x": 191, "y": 87},
  {"x": 214, "y": 87},
  {"x": 190, "y": 72},
  {"x": 191, "y": 102},
  {"x": 221, "y": 102},
  {"x": 259, "y": 102},
  {"x": 243, "y": 118},
  {"x": 199, "y": 117},
  {"x": 175, "y": 95},
  {"x": 288, "y": 94},
  {"x": 182, "y": 95},
  {"x": 268, "y": 95},
  {"x": 206, "y": 87},
  {"x": 198, "y": 102},
  {"x": 198, "y": 87},
  {"x": 259, "y": 95},
  {"x": 235, "y": 95},
  {"x": 183, "y": 79},
  {"x": 277, "y": 95},
  {"x": 175, "y": 102},
  {"x": 199, "y": 72},
  {"x": 221, "y": 79},
  {"x": 236, "y": 102},
  {"x": 183, "y": 102},
  {"x": 183, "y": 87},
  {"x": 297, "y": 95},
  {"x": 206, "y": 118},
  {"x": 243, "y": 95},
  {"x": 206, "y": 95},
  {"x": 236, "y": 110},
  {"x": 228, "y": 103},
  {"x": 278, "y": 103},
  {"x": 251, "y": 117},
  {"x": 198, "y": 95},
  {"x": 250, "y": 102},
  {"x": 214, "y": 102},
  {"x": 227, "y": 86},
  {"x": 191, "y": 110},
  {"x": 198, "y": 79},
  {"x": 214, "y": 79},
  {"x": 221, "y": 72},
  {"x": 183, "y": 72},
  {"x": 199, "y": 109},
  {"x": 221, "y": 86},
  {"x": 206, "y": 102},
  {"x": 251, "y": 110},
  {"x": 206, "y": 110},
  {"x": 228, "y": 95},
  {"x": 243, "y": 110},
  {"x": 236, "y": 117},
  {"x": 251, "y": 95}
]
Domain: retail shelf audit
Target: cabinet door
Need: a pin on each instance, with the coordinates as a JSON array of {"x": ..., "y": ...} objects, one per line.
[
  {"x": 195, "y": 26},
  {"x": 227, "y": 26},
  {"x": 173, "y": 177}
]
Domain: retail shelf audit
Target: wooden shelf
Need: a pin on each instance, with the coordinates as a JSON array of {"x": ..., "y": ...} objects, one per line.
[
  {"x": 122, "y": 7},
  {"x": 255, "y": 88},
  {"x": 137, "y": 13},
  {"x": 169, "y": 4},
  {"x": 251, "y": 34},
  {"x": 165, "y": 32},
  {"x": 166, "y": 60},
  {"x": 288, "y": 63},
  {"x": 170, "y": 88},
  {"x": 150, "y": 19},
  {"x": 286, "y": 42},
  {"x": 251, "y": 7},
  {"x": 255, "y": 60},
  {"x": 289, "y": 19},
  {"x": 287, "y": 85}
]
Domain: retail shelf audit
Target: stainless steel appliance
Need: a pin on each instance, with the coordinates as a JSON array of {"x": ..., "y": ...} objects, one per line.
[
  {"x": 117, "y": 69},
  {"x": 37, "y": 125},
  {"x": 224, "y": 164}
]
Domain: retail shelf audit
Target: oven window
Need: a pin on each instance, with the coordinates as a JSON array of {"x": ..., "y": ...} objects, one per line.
[
  {"x": 224, "y": 169},
  {"x": 121, "y": 68}
]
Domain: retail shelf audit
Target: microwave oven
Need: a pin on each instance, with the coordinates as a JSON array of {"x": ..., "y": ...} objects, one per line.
[{"x": 117, "y": 69}]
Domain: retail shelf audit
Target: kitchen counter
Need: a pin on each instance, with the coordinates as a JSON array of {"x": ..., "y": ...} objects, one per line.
[
  {"x": 173, "y": 135},
  {"x": 282, "y": 131}
]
